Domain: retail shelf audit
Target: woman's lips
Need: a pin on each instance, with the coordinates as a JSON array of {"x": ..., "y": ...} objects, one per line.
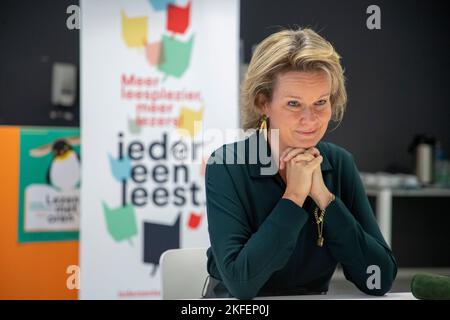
[{"x": 306, "y": 132}]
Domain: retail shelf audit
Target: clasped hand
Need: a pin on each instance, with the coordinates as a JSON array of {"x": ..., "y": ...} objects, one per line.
[{"x": 304, "y": 176}]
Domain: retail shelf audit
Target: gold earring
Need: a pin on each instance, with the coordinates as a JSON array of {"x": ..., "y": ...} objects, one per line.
[{"x": 263, "y": 125}]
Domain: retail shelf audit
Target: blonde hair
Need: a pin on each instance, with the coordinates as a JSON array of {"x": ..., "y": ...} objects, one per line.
[{"x": 290, "y": 50}]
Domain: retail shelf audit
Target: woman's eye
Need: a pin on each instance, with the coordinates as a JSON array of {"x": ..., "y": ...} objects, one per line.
[
  {"x": 321, "y": 102},
  {"x": 293, "y": 103}
]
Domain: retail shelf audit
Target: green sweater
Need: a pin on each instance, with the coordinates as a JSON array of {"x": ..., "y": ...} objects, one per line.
[{"x": 262, "y": 244}]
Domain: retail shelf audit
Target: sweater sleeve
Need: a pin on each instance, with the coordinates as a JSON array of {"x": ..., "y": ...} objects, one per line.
[
  {"x": 246, "y": 259},
  {"x": 355, "y": 240}
]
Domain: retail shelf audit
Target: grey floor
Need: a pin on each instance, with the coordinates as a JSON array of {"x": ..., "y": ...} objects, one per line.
[{"x": 339, "y": 285}]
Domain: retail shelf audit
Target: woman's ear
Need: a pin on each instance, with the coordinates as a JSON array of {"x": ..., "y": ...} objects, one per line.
[{"x": 262, "y": 103}]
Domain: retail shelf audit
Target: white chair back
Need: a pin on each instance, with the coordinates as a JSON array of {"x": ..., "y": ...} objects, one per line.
[{"x": 183, "y": 273}]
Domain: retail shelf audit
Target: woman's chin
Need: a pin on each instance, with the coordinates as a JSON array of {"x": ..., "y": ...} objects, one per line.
[
  {"x": 301, "y": 140},
  {"x": 305, "y": 143}
]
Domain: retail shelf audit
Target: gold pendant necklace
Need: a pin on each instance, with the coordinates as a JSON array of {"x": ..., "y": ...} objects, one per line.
[{"x": 319, "y": 222}]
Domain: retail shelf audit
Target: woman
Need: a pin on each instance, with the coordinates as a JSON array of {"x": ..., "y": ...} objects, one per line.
[{"x": 283, "y": 232}]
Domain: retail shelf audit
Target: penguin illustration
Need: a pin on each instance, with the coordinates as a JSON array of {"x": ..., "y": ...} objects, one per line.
[{"x": 64, "y": 170}]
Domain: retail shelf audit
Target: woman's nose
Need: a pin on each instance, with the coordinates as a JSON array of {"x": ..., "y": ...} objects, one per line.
[{"x": 306, "y": 113}]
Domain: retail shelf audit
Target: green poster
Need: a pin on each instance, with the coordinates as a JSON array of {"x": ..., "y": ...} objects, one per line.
[{"x": 49, "y": 184}]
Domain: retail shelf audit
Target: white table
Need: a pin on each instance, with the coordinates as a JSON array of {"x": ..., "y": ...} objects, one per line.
[
  {"x": 362, "y": 296},
  {"x": 356, "y": 296},
  {"x": 384, "y": 203}
]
